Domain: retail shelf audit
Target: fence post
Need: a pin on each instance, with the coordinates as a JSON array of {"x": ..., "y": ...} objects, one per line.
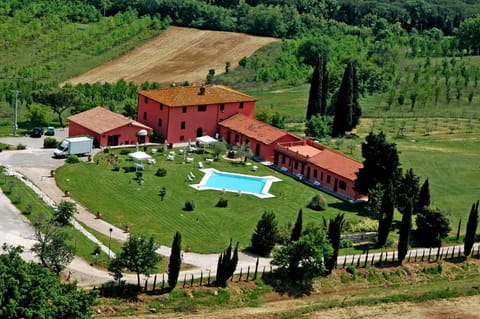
[
  {"x": 191, "y": 282},
  {"x": 453, "y": 252},
  {"x": 240, "y": 278},
  {"x": 366, "y": 260},
  {"x": 184, "y": 280},
  {"x": 416, "y": 252},
  {"x": 353, "y": 259},
  {"x": 146, "y": 285},
  {"x": 201, "y": 277},
  {"x": 208, "y": 277},
  {"x": 248, "y": 272},
  {"x": 256, "y": 270},
  {"x": 154, "y": 283},
  {"x": 373, "y": 259},
  {"x": 381, "y": 256},
  {"x": 423, "y": 254},
  {"x": 344, "y": 261},
  {"x": 358, "y": 261},
  {"x": 429, "y": 253},
  {"x": 163, "y": 281},
  {"x": 263, "y": 272}
]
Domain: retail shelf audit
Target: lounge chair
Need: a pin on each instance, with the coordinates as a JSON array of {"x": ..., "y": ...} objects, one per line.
[
  {"x": 254, "y": 168},
  {"x": 189, "y": 159},
  {"x": 209, "y": 160},
  {"x": 151, "y": 161},
  {"x": 170, "y": 157},
  {"x": 191, "y": 175},
  {"x": 200, "y": 164},
  {"x": 189, "y": 178}
]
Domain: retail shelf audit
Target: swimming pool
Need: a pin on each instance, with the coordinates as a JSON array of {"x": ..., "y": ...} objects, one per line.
[{"x": 237, "y": 183}]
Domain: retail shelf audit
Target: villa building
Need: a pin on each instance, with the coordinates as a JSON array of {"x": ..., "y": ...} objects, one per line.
[
  {"x": 108, "y": 128},
  {"x": 319, "y": 165},
  {"x": 261, "y": 137},
  {"x": 180, "y": 114}
]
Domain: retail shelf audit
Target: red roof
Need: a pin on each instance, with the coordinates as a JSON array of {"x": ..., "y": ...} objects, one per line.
[
  {"x": 324, "y": 157},
  {"x": 101, "y": 120},
  {"x": 254, "y": 129},
  {"x": 190, "y": 95}
]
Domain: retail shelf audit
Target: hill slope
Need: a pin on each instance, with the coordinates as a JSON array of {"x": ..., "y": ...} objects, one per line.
[{"x": 178, "y": 55}]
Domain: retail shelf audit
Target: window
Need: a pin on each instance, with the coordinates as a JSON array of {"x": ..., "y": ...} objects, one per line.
[
  {"x": 182, "y": 137},
  {"x": 144, "y": 115},
  {"x": 328, "y": 179},
  {"x": 296, "y": 165},
  {"x": 314, "y": 173},
  {"x": 182, "y": 125},
  {"x": 222, "y": 108},
  {"x": 241, "y": 105},
  {"x": 342, "y": 185},
  {"x": 161, "y": 107},
  {"x": 159, "y": 122},
  {"x": 184, "y": 109},
  {"x": 237, "y": 138},
  {"x": 283, "y": 159},
  {"x": 146, "y": 100},
  {"x": 202, "y": 108}
]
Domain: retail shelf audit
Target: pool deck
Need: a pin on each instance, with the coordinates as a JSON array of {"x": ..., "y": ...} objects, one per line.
[{"x": 209, "y": 171}]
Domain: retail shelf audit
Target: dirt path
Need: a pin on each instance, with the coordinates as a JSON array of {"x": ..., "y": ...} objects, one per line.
[{"x": 178, "y": 55}]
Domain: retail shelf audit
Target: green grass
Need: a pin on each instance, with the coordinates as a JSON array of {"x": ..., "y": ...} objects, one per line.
[{"x": 207, "y": 229}]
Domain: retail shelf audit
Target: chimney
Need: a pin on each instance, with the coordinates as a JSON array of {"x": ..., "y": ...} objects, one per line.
[{"x": 202, "y": 90}]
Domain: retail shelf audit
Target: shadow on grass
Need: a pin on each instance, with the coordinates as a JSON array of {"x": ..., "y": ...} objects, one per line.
[
  {"x": 351, "y": 208},
  {"x": 282, "y": 283}
]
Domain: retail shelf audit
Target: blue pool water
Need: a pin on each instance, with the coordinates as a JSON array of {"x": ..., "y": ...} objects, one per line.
[{"x": 233, "y": 182}]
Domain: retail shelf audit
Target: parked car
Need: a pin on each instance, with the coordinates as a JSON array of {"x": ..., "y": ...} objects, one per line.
[
  {"x": 50, "y": 131},
  {"x": 37, "y": 132}
]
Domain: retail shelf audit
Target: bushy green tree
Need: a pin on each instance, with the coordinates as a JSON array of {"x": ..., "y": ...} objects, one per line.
[
  {"x": 64, "y": 212},
  {"x": 471, "y": 232},
  {"x": 29, "y": 290},
  {"x": 318, "y": 126},
  {"x": 59, "y": 99},
  {"x": 138, "y": 255},
  {"x": 265, "y": 235},
  {"x": 432, "y": 227},
  {"x": 304, "y": 259},
  {"x": 407, "y": 191},
  {"x": 175, "y": 261}
]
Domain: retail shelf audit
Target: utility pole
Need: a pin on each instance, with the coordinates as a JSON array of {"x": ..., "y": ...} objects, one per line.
[{"x": 15, "y": 113}]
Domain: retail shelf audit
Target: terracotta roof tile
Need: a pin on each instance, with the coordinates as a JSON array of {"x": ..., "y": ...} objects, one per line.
[
  {"x": 190, "y": 95},
  {"x": 101, "y": 120},
  {"x": 254, "y": 129},
  {"x": 325, "y": 157}
]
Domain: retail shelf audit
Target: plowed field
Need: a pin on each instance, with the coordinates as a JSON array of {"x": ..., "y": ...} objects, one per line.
[{"x": 177, "y": 55}]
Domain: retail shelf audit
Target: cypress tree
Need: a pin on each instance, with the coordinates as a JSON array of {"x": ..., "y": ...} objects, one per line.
[
  {"x": 471, "y": 230},
  {"x": 334, "y": 232},
  {"x": 317, "y": 97},
  {"x": 227, "y": 263},
  {"x": 405, "y": 231},
  {"x": 386, "y": 214},
  {"x": 297, "y": 228},
  {"x": 423, "y": 197},
  {"x": 347, "y": 108},
  {"x": 175, "y": 261}
]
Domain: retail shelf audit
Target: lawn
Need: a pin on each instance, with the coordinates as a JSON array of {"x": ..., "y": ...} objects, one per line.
[{"x": 207, "y": 229}]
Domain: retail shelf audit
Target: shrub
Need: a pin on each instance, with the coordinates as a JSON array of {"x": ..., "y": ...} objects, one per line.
[
  {"x": 189, "y": 205},
  {"x": 351, "y": 269},
  {"x": 28, "y": 209},
  {"x": 161, "y": 172},
  {"x": 139, "y": 175},
  {"x": 50, "y": 142},
  {"x": 222, "y": 202},
  {"x": 318, "y": 203},
  {"x": 106, "y": 150},
  {"x": 72, "y": 159},
  {"x": 365, "y": 225},
  {"x": 21, "y": 146},
  {"x": 346, "y": 243},
  {"x": 125, "y": 151}
]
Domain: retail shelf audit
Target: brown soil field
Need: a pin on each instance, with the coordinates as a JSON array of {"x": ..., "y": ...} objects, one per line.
[{"x": 177, "y": 55}]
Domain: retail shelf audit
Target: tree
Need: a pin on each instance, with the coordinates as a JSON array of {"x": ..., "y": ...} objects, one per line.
[
  {"x": 318, "y": 126},
  {"x": 64, "y": 212},
  {"x": 138, "y": 255},
  {"x": 468, "y": 35},
  {"x": 387, "y": 209},
  {"x": 59, "y": 99},
  {"x": 210, "y": 75},
  {"x": 471, "y": 230},
  {"x": 407, "y": 191},
  {"x": 304, "y": 259},
  {"x": 334, "y": 232},
  {"x": 30, "y": 290},
  {"x": 219, "y": 148},
  {"x": 423, "y": 197},
  {"x": 297, "y": 228},
  {"x": 265, "y": 235},
  {"x": 314, "y": 53},
  {"x": 347, "y": 108},
  {"x": 50, "y": 247},
  {"x": 432, "y": 227},
  {"x": 227, "y": 263},
  {"x": 381, "y": 163},
  {"x": 405, "y": 228},
  {"x": 175, "y": 261}
]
